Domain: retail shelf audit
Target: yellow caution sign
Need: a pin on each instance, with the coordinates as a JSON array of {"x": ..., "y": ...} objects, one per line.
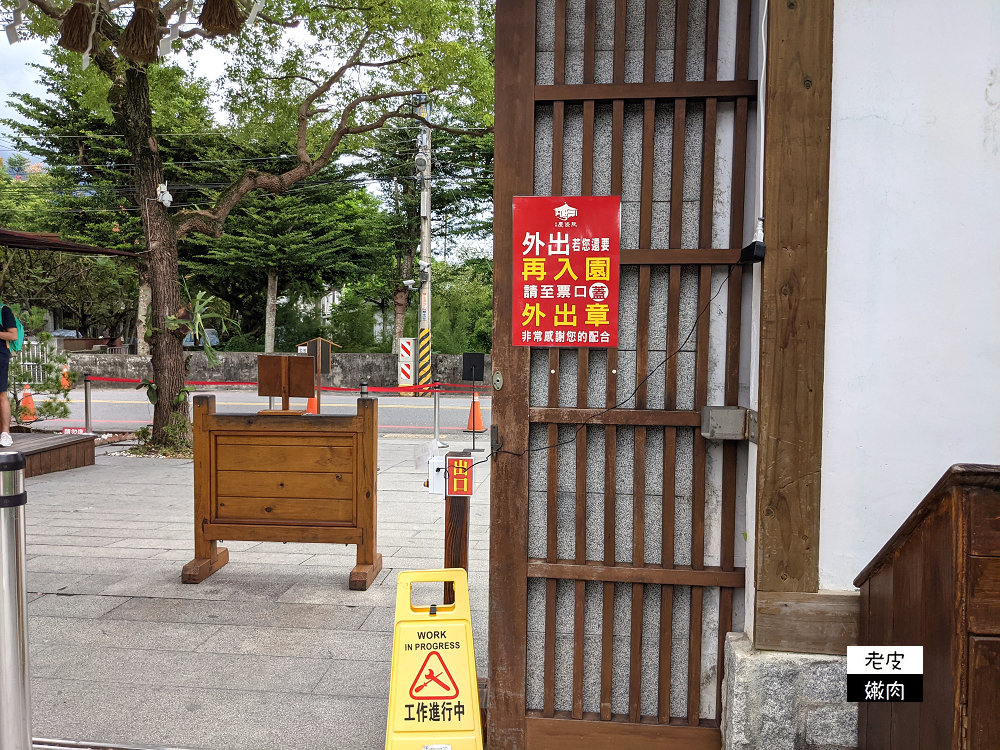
[{"x": 433, "y": 695}]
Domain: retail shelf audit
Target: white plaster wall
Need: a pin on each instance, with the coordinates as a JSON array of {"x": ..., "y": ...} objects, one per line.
[{"x": 912, "y": 375}]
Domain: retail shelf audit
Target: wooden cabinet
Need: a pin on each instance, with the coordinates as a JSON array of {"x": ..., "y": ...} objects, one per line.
[{"x": 936, "y": 584}]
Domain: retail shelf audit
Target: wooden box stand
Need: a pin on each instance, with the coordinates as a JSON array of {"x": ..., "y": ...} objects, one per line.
[
  {"x": 936, "y": 584},
  {"x": 284, "y": 478}
]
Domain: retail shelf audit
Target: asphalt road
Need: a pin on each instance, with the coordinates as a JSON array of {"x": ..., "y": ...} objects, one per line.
[{"x": 127, "y": 410}]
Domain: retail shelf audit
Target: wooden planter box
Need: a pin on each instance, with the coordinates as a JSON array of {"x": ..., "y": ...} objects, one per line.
[
  {"x": 284, "y": 478},
  {"x": 936, "y": 584}
]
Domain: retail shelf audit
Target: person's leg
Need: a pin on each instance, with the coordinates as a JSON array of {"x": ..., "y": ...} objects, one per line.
[{"x": 5, "y": 439}]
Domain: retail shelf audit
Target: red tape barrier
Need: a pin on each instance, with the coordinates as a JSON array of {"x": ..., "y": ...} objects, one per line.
[{"x": 375, "y": 389}]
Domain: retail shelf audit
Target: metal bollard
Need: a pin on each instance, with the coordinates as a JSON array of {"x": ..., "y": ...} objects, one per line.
[
  {"x": 437, "y": 416},
  {"x": 15, "y": 685},
  {"x": 364, "y": 389},
  {"x": 89, "y": 427}
]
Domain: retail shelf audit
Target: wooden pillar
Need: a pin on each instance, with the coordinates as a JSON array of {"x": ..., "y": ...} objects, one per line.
[
  {"x": 208, "y": 555},
  {"x": 515, "y": 131},
  {"x": 793, "y": 318},
  {"x": 369, "y": 560}
]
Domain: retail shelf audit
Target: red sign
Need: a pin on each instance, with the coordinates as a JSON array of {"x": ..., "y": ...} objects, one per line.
[
  {"x": 566, "y": 270},
  {"x": 460, "y": 476}
]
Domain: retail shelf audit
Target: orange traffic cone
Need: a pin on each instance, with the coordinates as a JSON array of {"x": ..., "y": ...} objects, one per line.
[
  {"x": 475, "y": 416},
  {"x": 64, "y": 381},
  {"x": 28, "y": 413},
  {"x": 311, "y": 407}
]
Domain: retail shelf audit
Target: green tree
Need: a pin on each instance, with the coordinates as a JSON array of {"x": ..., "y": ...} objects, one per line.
[
  {"x": 17, "y": 166},
  {"x": 461, "y": 203},
  {"x": 351, "y": 73},
  {"x": 317, "y": 236}
]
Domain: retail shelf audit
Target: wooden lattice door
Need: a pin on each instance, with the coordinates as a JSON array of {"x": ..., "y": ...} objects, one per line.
[{"x": 613, "y": 532}]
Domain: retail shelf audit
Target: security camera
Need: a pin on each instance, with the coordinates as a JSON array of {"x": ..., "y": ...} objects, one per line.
[
  {"x": 422, "y": 162},
  {"x": 424, "y": 264},
  {"x": 409, "y": 283}
]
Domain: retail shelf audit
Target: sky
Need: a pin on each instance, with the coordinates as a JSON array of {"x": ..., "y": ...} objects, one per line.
[{"x": 17, "y": 75}]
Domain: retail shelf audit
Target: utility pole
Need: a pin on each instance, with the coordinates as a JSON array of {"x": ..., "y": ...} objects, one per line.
[{"x": 422, "y": 161}]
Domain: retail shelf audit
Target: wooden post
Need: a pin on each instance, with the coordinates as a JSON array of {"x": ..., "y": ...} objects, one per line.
[
  {"x": 793, "y": 296},
  {"x": 208, "y": 556},
  {"x": 456, "y": 539},
  {"x": 369, "y": 561}
]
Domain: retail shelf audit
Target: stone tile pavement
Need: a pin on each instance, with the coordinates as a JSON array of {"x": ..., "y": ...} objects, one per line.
[{"x": 273, "y": 651}]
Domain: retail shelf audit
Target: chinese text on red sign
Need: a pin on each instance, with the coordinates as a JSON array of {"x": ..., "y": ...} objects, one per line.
[{"x": 566, "y": 270}]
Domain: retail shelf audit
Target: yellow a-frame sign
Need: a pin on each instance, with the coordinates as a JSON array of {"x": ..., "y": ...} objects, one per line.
[{"x": 433, "y": 695}]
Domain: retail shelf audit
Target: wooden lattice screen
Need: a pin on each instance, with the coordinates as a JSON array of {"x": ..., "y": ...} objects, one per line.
[{"x": 588, "y": 539}]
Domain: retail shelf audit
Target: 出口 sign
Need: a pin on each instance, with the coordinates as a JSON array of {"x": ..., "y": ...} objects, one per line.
[{"x": 566, "y": 251}]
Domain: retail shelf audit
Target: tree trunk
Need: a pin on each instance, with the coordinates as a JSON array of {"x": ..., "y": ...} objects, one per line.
[
  {"x": 133, "y": 113},
  {"x": 145, "y": 296},
  {"x": 400, "y": 299},
  {"x": 269, "y": 315}
]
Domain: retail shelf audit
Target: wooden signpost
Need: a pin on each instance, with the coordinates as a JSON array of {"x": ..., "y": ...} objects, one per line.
[
  {"x": 321, "y": 350},
  {"x": 283, "y": 476}
]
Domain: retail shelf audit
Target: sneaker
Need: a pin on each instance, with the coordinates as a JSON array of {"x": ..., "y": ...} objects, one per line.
[{"x": 6, "y": 440}]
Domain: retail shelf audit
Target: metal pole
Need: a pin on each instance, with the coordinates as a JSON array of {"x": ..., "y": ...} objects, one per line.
[
  {"x": 437, "y": 416},
  {"x": 15, "y": 688},
  {"x": 88, "y": 424},
  {"x": 364, "y": 389},
  {"x": 424, "y": 319}
]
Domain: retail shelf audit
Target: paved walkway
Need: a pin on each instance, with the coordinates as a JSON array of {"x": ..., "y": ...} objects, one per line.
[{"x": 273, "y": 651}]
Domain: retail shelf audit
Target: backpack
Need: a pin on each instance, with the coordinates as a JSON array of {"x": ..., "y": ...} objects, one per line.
[{"x": 18, "y": 343}]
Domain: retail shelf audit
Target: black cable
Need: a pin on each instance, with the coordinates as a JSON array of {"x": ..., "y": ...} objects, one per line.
[{"x": 570, "y": 441}]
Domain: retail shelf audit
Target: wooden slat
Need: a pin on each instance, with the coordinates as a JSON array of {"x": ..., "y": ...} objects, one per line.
[
  {"x": 618, "y": 73},
  {"x": 589, "y": 39},
  {"x": 243, "y": 439},
  {"x": 283, "y": 459},
  {"x": 551, "y": 544},
  {"x": 880, "y": 633},
  {"x": 328, "y": 485},
  {"x": 694, "y": 656},
  {"x": 638, "y": 551},
  {"x": 646, "y": 187},
  {"x": 649, "y": 41},
  {"x": 908, "y": 607},
  {"x": 558, "y": 132},
  {"x": 678, "y": 575},
  {"x": 568, "y": 734},
  {"x": 721, "y": 90},
  {"x": 807, "y": 623},
  {"x": 580, "y": 543},
  {"x": 271, "y": 532},
  {"x": 617, "y": 145},
  {"x": 608, "y": 603},
  {"x": 515, "y": 121},
  {"x": 289, "y": 425},
  {"x": 679, "y": 256},
  {"x": 643, "y": 417},
  {"x": 559, "y": 76},
  {"x": 793, "y": 295},
  {"x": 588, "y": 149},
  {"x": 303, "y": 510}
]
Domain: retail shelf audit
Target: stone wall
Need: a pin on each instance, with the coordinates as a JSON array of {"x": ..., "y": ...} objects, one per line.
[
  {"x": 773, "y": 700},
  {"x": 347, "y": 371}
]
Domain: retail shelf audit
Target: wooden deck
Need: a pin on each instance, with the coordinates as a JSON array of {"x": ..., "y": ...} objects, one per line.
[{"x": 45, "y": 453}]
